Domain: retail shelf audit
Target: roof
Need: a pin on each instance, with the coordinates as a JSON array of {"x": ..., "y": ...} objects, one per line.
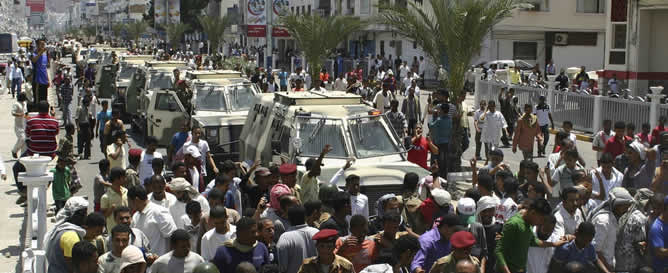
[
  {"x": 317, "y": 98},
  {"x": 172, "y": 64},
  {"x": 336, "y": 111},
  {"x": 212, "y": 74}
]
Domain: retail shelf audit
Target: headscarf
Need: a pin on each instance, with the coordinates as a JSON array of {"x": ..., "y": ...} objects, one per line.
[
  {"x": 380, "y": 204},
  {"x": 181, "y": 184},
  {"x": 485, "y": 202},
  {"x": 643, "y": 196},
  {"x": 72, "y": 205},
  {"x": 275, "y": 193},
  {"x": 617, "y": 196},
  {"x": 639, "y": 148},
  {"x": 533, "y": 120}
]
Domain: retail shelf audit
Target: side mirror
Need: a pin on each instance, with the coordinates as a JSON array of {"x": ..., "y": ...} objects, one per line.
[{"x": 172, "y": 107}]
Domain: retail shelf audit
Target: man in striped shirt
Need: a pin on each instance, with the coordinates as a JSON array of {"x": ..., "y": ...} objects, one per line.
[{"x": 41, "y": 134}]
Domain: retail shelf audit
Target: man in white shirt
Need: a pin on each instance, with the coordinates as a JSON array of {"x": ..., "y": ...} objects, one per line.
[
  {"x": 180, "y": 259},
  {"x": 542, "y": 111},
  {"x": 479, "y": 124},
  {"x": 110, "y": 262},
  {"x": 184, "y": 193},
  {"x": 607, "y": 174},
  {"x": 340, "y": 84},
  {"x": 146, "y": 164},
  {"x": 538, "y": 257},
  {"x": 223, "y": 232},
  {"x": 614, "y": 85},
  {"x": 155, "y": 221},
  {"x": 605, "y": 219},
  {"x": 19, "y": 111},
  {"x": 358, "y": 201},
  {"x": 382, "y": 99},
  {"x": 568, "y": 216},
  {"x": 160, "y": 196},
  {"x": 598, "y": 143},
  {"x": 494, "y": 122},
  {"x": 296, "y": 245},
  {"x": 421, "y": 69},
  {"x": 203, "y": 146}
]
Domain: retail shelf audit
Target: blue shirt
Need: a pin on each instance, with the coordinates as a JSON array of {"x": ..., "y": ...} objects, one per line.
[
  {"x": 227, "y": 258},
  {"x": 103, "y": 117},
  {"x": 432, "y": 248},
  {"x": 441, "y": 129},
  {"x": 39, "y": 67},
  {"x": 570, "y": 252},
  {"x": 179, "y": 139},
  {"x": 658, "y": 238},
  {"x": 229, "y": 200},
  {"x": 283, "y": 77}
]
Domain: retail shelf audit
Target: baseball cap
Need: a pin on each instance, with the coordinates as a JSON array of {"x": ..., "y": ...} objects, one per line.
[
  {"x": 131, "y": 255},
  {"x": 441, "y": 197},
  {"x": 193, "y": 151},
  {"x": 466, "y": 206}
]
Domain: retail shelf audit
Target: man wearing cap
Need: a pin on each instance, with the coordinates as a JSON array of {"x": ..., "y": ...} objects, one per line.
[
  {"x": 288, "y": 173},
  {"x": 154, "y": 220},
  {"x": 466, "y": 208},
  {"x": 309, "y": 182},
  {"x": 185, "y": 193},
  {"x": 191, "y": 159},
  {"x": 132, "y": 260},
  {"x": 435, "y": 243},
  {"x": 462, "y": 242},
  {"x": 435, "y": 206},
  {"x": 326, "y": 261}
]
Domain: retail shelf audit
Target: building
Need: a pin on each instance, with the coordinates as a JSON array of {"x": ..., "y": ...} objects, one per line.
[
  {"x": 572, "y": 33},
  {"x": 638, "y": 38}
]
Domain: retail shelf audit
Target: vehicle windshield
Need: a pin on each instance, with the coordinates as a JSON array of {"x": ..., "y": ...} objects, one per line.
[
  {"x": 241, "y": 97},
  {"x": 315, "y": 133},
  {"x": 161, "y": 80},
  {"x": 372, "y": 137},
  {"x": 94, "y": 55},
  {"x": 210, "y": 98},
  {"x": 127, "y": 72}
]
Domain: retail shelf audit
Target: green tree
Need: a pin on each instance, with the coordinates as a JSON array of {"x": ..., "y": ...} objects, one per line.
[
  {"x": 214, "y": 28},
  {"x": 117, "y": 30},
  {"x": 452, "y": 30},
  {"x": 89, "y": 31},
  {"x": 318, "y": 36},
  {"x": 191, "y": 10},
  {"x": 175, "y": 33},
  {"x": 136, "y": 29}
]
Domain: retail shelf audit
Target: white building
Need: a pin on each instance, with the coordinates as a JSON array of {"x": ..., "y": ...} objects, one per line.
[
  {"x": 570, "y": 32},
  {"x": 638, "y": 38}
]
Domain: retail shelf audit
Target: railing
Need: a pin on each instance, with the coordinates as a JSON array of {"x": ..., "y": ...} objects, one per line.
[{"x": 586, "y": 112}]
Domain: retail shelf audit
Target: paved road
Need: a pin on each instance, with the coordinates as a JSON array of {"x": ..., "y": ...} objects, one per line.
[{"x": 11, "y": 236}]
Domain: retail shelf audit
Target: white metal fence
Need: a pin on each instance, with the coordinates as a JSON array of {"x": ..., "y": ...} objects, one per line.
[{"x": 586, "y": 112}]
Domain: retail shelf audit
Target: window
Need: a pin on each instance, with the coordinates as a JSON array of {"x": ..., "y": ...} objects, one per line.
[
  {"x": 525, "y": 50},
  {"x": 166, "y": 102},
  {"x": 539, "y": 5},
  {"x": 364, "y": 6},
  {"x": 618, "y": 57},
  {"x": 382, "y": 48},
  {"x": 292, "y": 9},
  {"x": 619, "y": 36},
  {"x": 309, "y": 10},
  {"x": 414, "y": 44},
  {"x": 591, "y": 6}
]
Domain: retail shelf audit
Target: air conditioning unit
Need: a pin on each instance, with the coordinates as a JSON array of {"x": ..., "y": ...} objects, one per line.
[{"x": 561, "y": 39}]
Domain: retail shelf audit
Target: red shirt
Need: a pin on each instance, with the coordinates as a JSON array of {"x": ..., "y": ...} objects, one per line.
[
  {"x": 41, "y": 134},
  {"x": 644, "y": 138},
  {"x": 655, "y": 134},
  {"x": 418, "y": 154},
  {"x": 614, "y": 146}
]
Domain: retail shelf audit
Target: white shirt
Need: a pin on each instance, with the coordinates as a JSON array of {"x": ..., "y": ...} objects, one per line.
[
  {"x": 166, "y": 202},
  {"x": 613, "y": 86},
  {"x": 382, "y": 101},
  {"x": 359, "y": 205},
  {"x": 294, "y": 246},
  {"x": 599, "y": 141},
  {"x": 179, "y": 209},
  {"x": 211, "y": 240},
  {"x": 476, "y": 117},
  {"x": 108, "y": 263},
  {"x": 505, "y": 210},
  {"x": 19, "y": 108},
  {"x": 168, "y": 263},
  {"x": 407, "y": 81},
  {"x": 194, "y": 177},
  {"x": 340, "y": 84},
  {"x": 403, "y": 70},
  {"x": 538, "y": 259},
  {"x": 494, "y": 122},
  {"x": 572, "y": 137},
  {"x": 567, "y": 223},
  {"x": 157, "y": 224},
  {"x": 543, "y": 115},
  {"x": 203, "y": 147},
  {"x": 606, "y": 236},
  {"x": 146, "y": 165},
  {"x": 614, "y": 181}
]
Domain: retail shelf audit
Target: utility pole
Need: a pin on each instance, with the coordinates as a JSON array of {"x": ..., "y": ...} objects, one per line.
[{"x": 268, "y": 52}]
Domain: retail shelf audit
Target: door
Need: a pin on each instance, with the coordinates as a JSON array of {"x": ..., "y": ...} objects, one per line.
[{"x": 165, "y": 116}]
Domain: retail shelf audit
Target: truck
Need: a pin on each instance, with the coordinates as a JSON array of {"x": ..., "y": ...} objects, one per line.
[
  {"x": 151, "y": 87},
  {"x": 221, "y": 101},
  {"x": 295, "y": 126}
]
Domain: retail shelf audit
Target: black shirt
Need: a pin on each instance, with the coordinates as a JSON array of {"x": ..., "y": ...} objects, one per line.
[
  {"x": 490, "y": 236},
  {"x": 332, "y": 224}
]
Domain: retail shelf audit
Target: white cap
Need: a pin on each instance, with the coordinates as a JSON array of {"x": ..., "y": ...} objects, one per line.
[
  {"x": 466, "y": 206},
  {"x": 193, "y": 151},
  {"x": 131, "y": 255},
  {"x": 441, "y": 196}
]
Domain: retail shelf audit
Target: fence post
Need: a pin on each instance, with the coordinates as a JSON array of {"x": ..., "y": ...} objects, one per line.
[
  {"x": 598, "y": 113},
  {"x": 550, "y": 99},
  {"x": 551, "y": 83},
  {"x": 656, "y": 97},
  {"x": 292, "y": 64},
  {"x": 477, "y": 73}
]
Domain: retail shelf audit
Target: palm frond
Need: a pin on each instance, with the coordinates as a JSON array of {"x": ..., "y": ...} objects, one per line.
[
  {"x": 175, "y": 33},
  {"x": 214, "y": 27}
]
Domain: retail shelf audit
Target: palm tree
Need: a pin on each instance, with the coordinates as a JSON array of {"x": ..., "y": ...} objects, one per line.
[
  {"x": 214, "y": 28},
  {"x": 136, "y": 29},
  {"x": 318, "y": 36},
  {"x": 452, "y": 30},
  {"x": 175, "y": 33},
  {"x": 117, "y": 30},
  {"x": 89, "y": 31}
]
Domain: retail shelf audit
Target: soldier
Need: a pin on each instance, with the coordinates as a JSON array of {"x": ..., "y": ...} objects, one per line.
[{"x": 325, "y": 245}]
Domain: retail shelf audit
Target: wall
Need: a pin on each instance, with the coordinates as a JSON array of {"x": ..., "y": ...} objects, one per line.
[
  {"x": 562, "y": 15},
  {"x": 590, "y": 56},
  {"x": 502, "y": 49},
  {"x": 658, "y": 41}
]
